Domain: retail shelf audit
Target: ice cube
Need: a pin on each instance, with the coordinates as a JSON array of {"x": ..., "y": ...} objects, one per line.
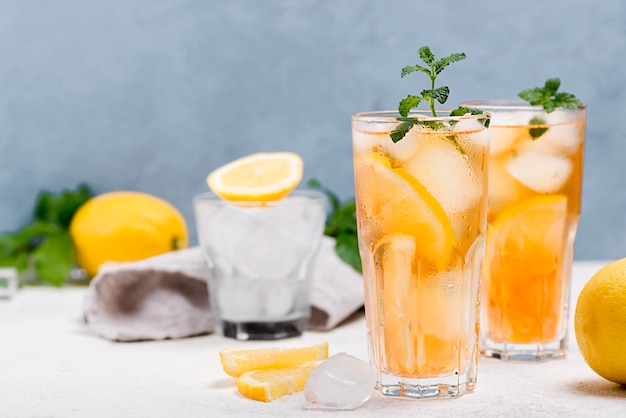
[
  {"x": 402, "y": 150},
  {"x": 503, "y": 188},
  {"x": 363, "y": 141},
  {"x": 564, "y": 139},
  {"x": 340, "y": 382},
  {"x": 446, "y": 173},
  {"x": 279, "y": 299},
  {"x": 503, "y": 139},
  {"x": 539, "y": 172},
  {"x": 513, "y": 118}
]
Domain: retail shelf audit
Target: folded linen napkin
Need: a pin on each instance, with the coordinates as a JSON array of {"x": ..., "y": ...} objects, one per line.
[{"x": 166, "y": 296}]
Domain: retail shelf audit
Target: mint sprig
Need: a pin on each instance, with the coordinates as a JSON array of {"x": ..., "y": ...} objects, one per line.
[
  {"x": 45, "y": 243},
  {"x": 341, "y": 225},
  {"x": 430, "y": 96},
  {"x": 550, "y": 99}
]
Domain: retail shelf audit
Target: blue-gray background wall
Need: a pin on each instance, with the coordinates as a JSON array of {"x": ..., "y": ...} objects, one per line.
[{"x": 152, "y": 95}]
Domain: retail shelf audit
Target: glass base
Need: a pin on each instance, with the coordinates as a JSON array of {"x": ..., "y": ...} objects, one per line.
[
  {"x": 261, "y": 330},
  {"x": 441, "y": 387},
  {"x": 524, "y": 352}
]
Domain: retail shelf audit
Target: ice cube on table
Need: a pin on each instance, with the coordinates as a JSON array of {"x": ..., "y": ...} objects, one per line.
[
  {"x": 539, "y": 172},
  {"x": 340, "y": 382},
  {"x": 447, "y": 174}
]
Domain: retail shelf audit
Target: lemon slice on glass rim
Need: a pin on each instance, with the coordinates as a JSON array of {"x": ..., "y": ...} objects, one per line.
[{"x": 263, "y": 176}]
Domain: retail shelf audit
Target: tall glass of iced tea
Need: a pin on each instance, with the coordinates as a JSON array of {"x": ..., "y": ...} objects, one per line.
[
  {"x": 535, "y": 178},
  {"x": 421, "y": 212}
]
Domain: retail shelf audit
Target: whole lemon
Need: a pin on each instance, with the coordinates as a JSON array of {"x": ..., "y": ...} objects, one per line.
[
  {"x": 125, "y": 226},
  {"x": 600, "y": 322}
]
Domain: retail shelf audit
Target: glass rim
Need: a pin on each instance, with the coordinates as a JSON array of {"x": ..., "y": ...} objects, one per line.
[
  {"x": 424, "y": 114},
  {"x": 511, "y": 104},
  {"x": 312, "y": 195}
]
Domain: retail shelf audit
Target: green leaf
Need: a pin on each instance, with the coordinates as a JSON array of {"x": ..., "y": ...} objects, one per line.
[
  {"x": 533, "y": 96},
  {"x": 552, "y": 85},
  {"x": 537, "y": 132},
  {"x": 435, "y": 125},
  {"x": 60, "y": 208},
  {"x": 455, "y": 141},
  {"x": 69, "y": 202},
  {"x": 347, "y": 248},
  {"x": 426, "y": 55},
  {"x": 44, "y": 206},
  {"x": 54, "y": 258},
  {"x": 440, "y": 94},
  {"x": 442, "y": 63},
  {"x": 460, "y": 111},
  {"x": 567, "y": 101},
  {"x": 25, "y": 238},
  {"x": 413, "y": 68},
  {"x": 402, "y": 129},
  {"x": 17, "y": 260},
  {"x": 549, "y": 98},
  {"x": 408, "y": 103}
]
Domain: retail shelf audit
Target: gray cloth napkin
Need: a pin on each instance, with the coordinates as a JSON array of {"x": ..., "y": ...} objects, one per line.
[{"x": 166, "y": 296}]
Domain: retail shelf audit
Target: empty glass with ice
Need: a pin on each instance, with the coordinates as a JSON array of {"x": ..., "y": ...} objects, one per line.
[
  {"x": 535, "y": 178},
  {"x": 260, "y": 257}
]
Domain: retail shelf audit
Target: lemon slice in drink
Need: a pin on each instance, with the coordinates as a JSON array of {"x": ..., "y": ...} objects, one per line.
[
  {"x": 523, "y": 269},
  {"x": 268, "y": 384},
  {"x": 235, "y": 361},
  {"x": 397, "y": 203},
  {"x": 262, "y": 176}
]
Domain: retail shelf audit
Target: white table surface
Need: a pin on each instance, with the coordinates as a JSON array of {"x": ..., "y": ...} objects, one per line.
[{"x": 51, "y": 366}]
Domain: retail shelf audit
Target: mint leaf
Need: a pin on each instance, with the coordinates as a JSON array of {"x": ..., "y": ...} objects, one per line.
[
  {"x": 429, "y": 95},
  {"x": 26, "y": 238},
  {"x": 408, "y": 103},
  {"x": 347, "y": 248},
  {"x": 537, "y": 132},
  {"x": 426, "y": 55},
  {"x": 548, "y": 97},
  {"x": 60, "y": 209},
  {"x": 54, "y": 258},
  {"x": 552, "y": 85},
  {"x": 46, "y": 240},
  {"x": 440, "y": 94},
  {"x": 413, "y": 68},
  {"x": 445, "y": 61},
  {"x": 402, "y": 129},
  {"x": 533, "y": 96},
  {"x": 567, "y": 101},
  {"x": 17, "y": 260}
]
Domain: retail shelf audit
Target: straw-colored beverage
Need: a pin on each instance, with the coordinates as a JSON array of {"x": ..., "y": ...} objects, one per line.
[
  {"x": 534, "y": 204},
  {"x": 421, "y": 209}
]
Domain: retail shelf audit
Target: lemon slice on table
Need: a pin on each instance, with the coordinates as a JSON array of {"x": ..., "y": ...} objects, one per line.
[
  {"x": 235, "y": 361},
  {"x": 268, "y": 384},
  {"x": 400, "y": 204},
  {"x": 262, "y": 176}
]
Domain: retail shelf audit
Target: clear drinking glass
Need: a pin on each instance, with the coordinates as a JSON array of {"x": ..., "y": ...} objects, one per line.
[
  {"x": 260, "y": 257},
  {"x": 535, "y": 179},
  {"x": 421, "y": 213}
]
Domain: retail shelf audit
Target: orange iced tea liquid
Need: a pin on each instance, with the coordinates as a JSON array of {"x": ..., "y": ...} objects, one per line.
[
  {"x": 421, "y": 209},
  {"x": 534, "y": 205}
]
